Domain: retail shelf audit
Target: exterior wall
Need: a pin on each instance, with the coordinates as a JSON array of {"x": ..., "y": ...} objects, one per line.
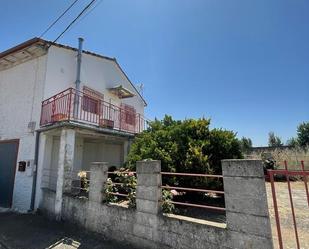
[
  {"x": 20, "y": 103},
  {"x": 293, "y": 155},
  {"x": 103, "y": 152},
  {"x": 96, "y": 73},
  {"x": 247, "y": 225},
  {"x": 24, "y": 86}
]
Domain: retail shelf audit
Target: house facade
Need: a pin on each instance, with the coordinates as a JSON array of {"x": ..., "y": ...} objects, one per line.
[{"x": 61, "y": 108}]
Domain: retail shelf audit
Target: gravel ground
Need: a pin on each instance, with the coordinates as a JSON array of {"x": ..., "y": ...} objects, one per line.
[{"x": 285, "y": 214}]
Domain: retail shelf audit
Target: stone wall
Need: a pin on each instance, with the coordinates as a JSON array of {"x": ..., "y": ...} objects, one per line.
[
  {"x": 247, "y": 225},
  {"x": 293, "y": 155}
]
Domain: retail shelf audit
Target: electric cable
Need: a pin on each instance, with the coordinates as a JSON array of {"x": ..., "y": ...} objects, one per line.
[{"x": 54, "y": 22}]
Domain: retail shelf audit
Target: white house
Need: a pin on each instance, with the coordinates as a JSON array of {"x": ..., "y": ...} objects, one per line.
[{"x": 60, "y": 110}]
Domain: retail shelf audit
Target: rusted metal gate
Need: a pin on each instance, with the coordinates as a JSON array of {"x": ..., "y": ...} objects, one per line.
[{"x": 303, "y": 175}]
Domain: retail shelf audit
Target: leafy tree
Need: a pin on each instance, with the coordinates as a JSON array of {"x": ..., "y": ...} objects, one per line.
[
  {"x": 185, "y": 146},
  {"x": 303, "y": 134},
  {"x": 245, "y": 144},
  {"x": 293, "y": 142},
  {"x": 273, "y": 140}
]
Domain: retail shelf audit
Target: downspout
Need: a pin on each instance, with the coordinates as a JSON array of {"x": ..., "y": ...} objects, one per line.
[
  {"x": 35, "y": 170},
  {"x": 77, "y": 82}
]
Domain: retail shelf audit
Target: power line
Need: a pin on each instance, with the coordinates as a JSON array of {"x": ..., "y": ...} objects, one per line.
[
  {"x": 78, "y": 16},
  {"x": 54, "y": 22},
  {"x": 100, "y": 1}
]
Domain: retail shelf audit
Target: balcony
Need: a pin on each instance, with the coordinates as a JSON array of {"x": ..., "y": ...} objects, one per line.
[{"x": 77, "y": 106}]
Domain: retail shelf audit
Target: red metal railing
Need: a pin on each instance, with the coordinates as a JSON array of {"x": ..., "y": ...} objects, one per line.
[
  {"x": 74, "y": 105},
  {"x": 287, "y": 173},
  {"x": 218, "y": 192},
  {"x": 217, "y": 208}
]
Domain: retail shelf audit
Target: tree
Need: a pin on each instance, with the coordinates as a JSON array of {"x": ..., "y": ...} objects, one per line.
[
  {"x": 303, "y": 134},
  {"x": 245, "y": 144},
  {"x": 185, "y": 146},
  {"x": 293, "y": 142},
  {"x": 273, "y": 140}
]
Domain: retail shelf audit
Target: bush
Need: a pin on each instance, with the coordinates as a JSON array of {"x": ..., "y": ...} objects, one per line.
[
  {"x": 185, "y": 146},
  {"x": 128, "y": 187}
]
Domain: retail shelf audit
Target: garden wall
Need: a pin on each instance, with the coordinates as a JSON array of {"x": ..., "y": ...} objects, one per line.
[
  {"x": 247, "y": 216},
  {"x": 293, "y": 155}
]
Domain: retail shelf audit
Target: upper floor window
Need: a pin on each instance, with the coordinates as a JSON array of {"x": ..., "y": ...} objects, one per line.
[
  {"x": 129, "y": 114},
  {"x": 91, "y": 100}
]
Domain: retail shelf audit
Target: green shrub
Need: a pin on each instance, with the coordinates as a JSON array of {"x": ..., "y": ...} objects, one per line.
[
  {"x": 167, "y": 197},
  {"x": 129, "y": 187},
  {"x": 185, "y": 146}
]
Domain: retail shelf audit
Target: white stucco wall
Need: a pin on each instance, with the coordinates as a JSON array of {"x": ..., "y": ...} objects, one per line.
[
  {"x": 20, "y": 103},
  {"x": 96, "y": 73},
  {"x": 23, "y": 87}
]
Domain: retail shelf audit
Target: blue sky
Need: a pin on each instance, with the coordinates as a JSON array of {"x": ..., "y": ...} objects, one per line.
[{"x": 244, "y": 64}]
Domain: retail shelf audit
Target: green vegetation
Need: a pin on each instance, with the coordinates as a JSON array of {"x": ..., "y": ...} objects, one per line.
[
  {"x": 302, "y": 139},
  {"x": 128, "y": 187},
  {"x": 273, "y": 140},
  {"x": 125, "y": 182},
  {"x": 185, "y": 146},
  {"x": 303, "y": 134},
  {"x": 245, "y": 144}
]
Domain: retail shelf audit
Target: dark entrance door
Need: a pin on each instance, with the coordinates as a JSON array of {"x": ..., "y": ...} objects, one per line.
[{"x": 8, "y": 157}]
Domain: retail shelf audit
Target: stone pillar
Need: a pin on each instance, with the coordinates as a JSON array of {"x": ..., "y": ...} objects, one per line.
[
  {"x": 246, "y": 203},
  {"x": 125, "y": 150},
  {"x": 148, "y": 199},
  {"x": 65, "y": 167},
  {"x": 43, "y": 166},
  {"x": 98, "y": 177}
]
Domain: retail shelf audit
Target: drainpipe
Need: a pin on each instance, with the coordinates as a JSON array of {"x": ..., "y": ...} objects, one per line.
[
  {"x": 35, "y": 171},
  {"x": 77, "y": 82}
]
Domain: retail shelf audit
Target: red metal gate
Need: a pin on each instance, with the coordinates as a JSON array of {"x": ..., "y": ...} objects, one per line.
[{"x": 303, "y": 175}]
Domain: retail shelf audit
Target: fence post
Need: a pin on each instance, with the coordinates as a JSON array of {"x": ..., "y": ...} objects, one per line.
[
  {"x": 246, "y": 202},
  {"x": 98, "y": 177},
  {"x": 148, "y": 199}
]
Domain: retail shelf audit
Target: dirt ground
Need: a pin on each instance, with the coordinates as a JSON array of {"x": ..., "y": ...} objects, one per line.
[{"x": 285, "y": 214}]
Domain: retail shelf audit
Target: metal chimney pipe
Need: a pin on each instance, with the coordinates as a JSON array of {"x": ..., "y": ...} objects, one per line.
[
  {"x": 77, "y": 82},
  {"x": 79, "y": 62}
]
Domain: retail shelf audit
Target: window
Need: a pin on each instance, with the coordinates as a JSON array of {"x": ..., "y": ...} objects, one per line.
[
  {"x": 91, "y": 100},
  {"x": 90, "y": 105},
  {"x": 129, "y": 114}
]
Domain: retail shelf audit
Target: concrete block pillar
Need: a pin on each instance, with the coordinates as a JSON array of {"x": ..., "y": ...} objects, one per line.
[
  {"x": 148, "y": 199},
  {"x": 125, "y": 150},
  {"x": 246, "y": 202},
  {"x": 43, "y": 166},
  {"x": 65, "y": 167},
  {"x": 98, "y": 177}
]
